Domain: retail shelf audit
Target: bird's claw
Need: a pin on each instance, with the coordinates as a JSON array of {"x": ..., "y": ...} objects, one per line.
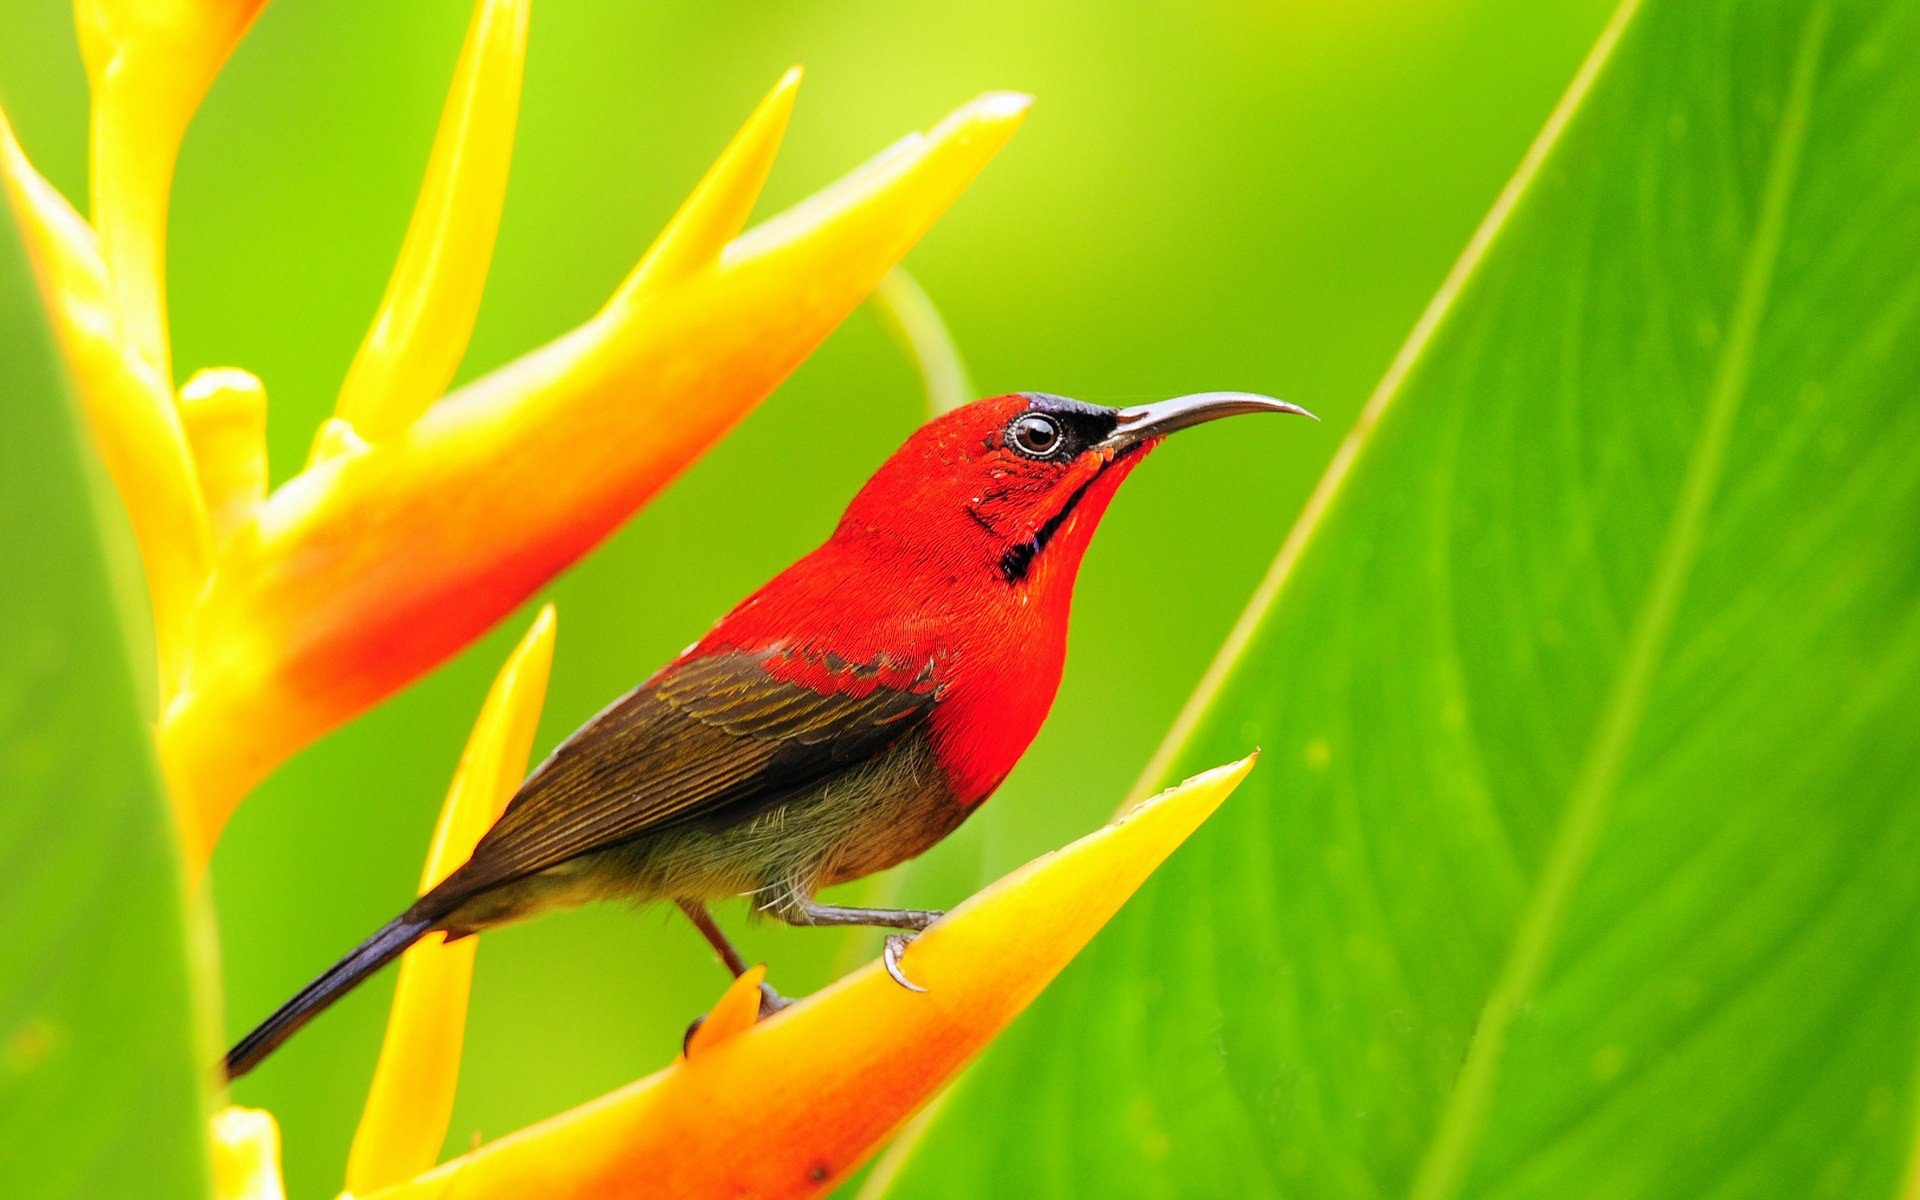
[{"x": 896, "y": 945}]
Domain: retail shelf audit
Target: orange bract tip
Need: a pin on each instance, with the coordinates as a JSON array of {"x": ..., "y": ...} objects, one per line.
[
  {"x": 735, "y": 1012},
  {"x": 789, "y": 1106}
]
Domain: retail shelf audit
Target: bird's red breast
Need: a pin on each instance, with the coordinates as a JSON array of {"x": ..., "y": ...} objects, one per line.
[{"x": 913, "y": 592}]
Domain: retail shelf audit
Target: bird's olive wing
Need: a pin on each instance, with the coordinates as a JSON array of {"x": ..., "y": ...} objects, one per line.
[{"x": 717, "y": 738}]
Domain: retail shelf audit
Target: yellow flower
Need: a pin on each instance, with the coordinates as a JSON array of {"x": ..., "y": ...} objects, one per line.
[
  {"x": 421, "y": 519},
  {"x": 411, "y": 1099},
  {"x": 783, "y": 1107}
]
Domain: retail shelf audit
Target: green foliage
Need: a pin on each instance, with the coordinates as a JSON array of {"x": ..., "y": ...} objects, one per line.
[
  {"x": 100, "y": 1069},
  {"x": 1210, "y": 193},
  {"x": 1582, "y": 860}
]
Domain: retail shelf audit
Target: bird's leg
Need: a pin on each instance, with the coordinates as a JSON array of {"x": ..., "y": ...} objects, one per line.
[
  {"x": 770, "y": 1001},
  {"x": 808, "y": 911},
  {"x": 805, "y": 910}
]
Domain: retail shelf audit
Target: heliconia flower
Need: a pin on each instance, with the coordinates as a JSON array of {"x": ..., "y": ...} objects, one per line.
[
  {"x": 421, "y": 519},
  {"x": 781, "y": 1107}
]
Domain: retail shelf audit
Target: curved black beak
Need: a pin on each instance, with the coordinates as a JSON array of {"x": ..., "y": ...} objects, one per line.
[{"x": 1144, "y": 421}]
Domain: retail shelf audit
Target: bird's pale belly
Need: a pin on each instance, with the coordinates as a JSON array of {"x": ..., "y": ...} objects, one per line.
[{"x": 869, "y": 818}]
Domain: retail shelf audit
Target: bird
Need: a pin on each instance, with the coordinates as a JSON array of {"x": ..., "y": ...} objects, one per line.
[{"x": 840, "y": 720}]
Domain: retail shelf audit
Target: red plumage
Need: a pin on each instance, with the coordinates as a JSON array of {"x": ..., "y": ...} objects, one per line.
[{"x": 911, "y": 575}]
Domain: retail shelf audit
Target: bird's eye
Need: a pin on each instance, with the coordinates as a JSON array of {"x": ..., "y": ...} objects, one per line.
[{"x": 1035, "y": 435}]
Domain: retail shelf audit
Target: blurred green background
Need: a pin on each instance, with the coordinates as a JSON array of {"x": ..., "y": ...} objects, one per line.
[{"x": 1207, "y": 195}]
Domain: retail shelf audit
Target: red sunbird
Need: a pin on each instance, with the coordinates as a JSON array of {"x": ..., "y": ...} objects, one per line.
[{"x": 841, "y": 720}]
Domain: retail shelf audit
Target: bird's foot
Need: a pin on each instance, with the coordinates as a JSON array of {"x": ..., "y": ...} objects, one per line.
[
  {"x": 771, "y": 1001},
  {"x": 896, "y": 945},
  {"x": 805, "y": 910}
]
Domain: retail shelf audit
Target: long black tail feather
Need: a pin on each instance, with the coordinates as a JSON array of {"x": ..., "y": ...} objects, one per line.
[{"x": 342, "y": 977}]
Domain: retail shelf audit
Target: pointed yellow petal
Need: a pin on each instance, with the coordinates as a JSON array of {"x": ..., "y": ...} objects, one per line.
[
  {"x": 224, "y": 413},
  {"x": 150, "y": 64},
  {"x": 718, "y": 209},
  {"x": 246, "y": 1155},
  {"x": 369, "y": 569},
  {"x": 864, "y": 211},
  {"x": 792, "y": 1105},
  {"x": 421, "y": 330},
  {"x": 128, "y": 406},
  {"x": 411, "y": 1100}
]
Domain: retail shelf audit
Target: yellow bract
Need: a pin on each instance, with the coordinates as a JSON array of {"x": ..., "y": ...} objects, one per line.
[
  {"x": 421, "y": 519},
  {"x": 411, "y": 1100},
  {"x": 246, "y": 1155},
  {"x": 126, "y": 400},
  {"x": 428, "y": 312}
]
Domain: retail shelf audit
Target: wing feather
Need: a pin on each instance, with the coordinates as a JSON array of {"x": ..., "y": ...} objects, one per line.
[{"x": 718, "y": 738}]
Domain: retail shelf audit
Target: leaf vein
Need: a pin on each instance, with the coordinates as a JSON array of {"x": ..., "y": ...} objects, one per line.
[{"x": 1462, "y": 1121}]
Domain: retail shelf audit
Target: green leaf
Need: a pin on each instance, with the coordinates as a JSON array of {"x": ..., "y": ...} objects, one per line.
[
  {"x": 1584, "y": 859},
  {"x": 101, "y": 1071}
]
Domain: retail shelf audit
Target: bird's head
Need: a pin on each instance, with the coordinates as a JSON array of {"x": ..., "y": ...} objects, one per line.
[{"x": 1013, "y": 486}]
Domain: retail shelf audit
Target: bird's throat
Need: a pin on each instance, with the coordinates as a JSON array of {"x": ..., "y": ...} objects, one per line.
[{"x": 1016, "y": 562}]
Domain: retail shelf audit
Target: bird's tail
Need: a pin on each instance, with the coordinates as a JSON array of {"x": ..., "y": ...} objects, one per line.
[{"x": 342, "y": 977}]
